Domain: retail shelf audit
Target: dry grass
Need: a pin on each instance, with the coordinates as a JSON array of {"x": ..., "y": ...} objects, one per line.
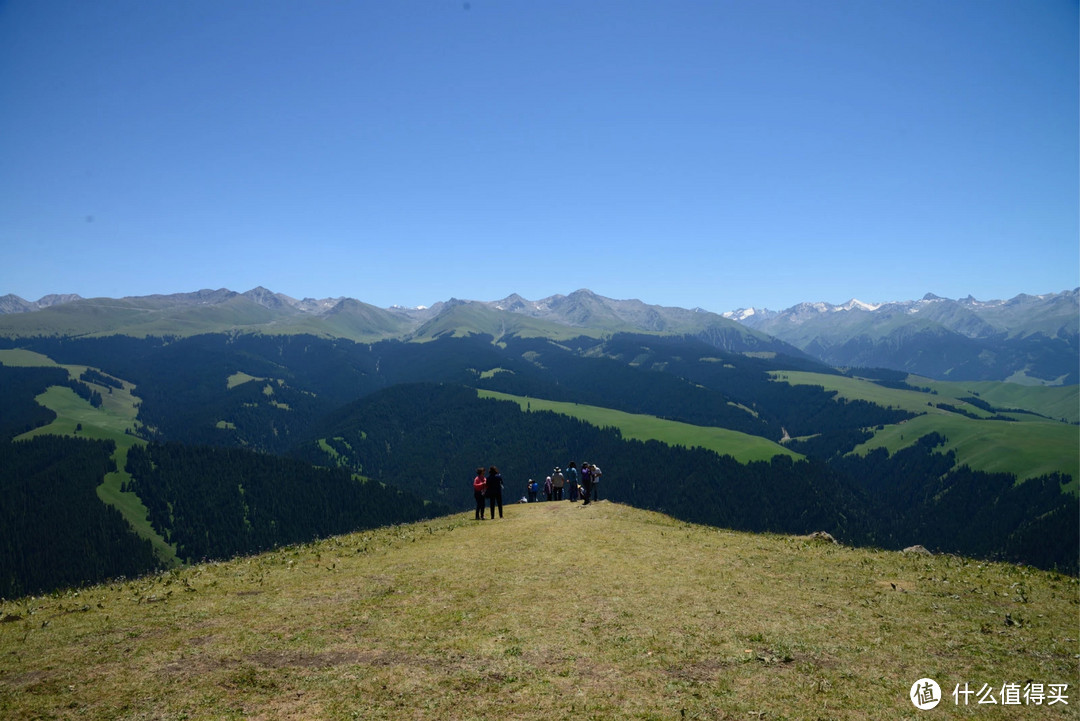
[{"x": 555, "y": 612}]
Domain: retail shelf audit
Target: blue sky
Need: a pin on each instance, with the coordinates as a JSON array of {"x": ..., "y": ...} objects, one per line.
[{"x": 695, "y": 154}]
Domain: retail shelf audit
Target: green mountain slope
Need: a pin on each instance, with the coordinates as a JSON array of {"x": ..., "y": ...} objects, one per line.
[
  {"x": 114, "y": 420},
  {"x": 1026, "y": 446},
  {"x": 633, "y": 616},
  {"x": 462, "y": 319},
  {"x": 259, "y": 310},
  {"x": 149, "y": 315},
  {"x": 340, "y": 403},
  {"x": 1054, "y": 402},
  {"x": 427, "y": 439},
  {"x": 743, "y": 447}
]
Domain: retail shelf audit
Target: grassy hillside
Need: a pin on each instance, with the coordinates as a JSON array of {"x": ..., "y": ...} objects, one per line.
[
  {"x": 465, "y": 319},
  {"x": 742, "y": 447},
  {"x": 1058, "y": 402},
  {"x": 112, "y": 421},
  {"x": 161, "y": 315},
  {"x": 1030, "y": 447},
  {"x": 629, "y": 615}
]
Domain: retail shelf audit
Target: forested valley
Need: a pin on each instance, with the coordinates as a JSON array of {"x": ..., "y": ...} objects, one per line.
[{"x": 250, "y": 441}]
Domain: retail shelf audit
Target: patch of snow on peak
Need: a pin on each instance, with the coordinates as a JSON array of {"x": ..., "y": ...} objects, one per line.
[
  {"x": 856, "y": 304},
  {"x": 740, "y": 314}
]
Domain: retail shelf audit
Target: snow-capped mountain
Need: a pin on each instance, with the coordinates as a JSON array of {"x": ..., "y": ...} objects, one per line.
[{"x": 1029, "y": 338}]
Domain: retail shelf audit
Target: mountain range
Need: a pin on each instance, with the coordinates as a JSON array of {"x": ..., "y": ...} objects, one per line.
[
  {"x": 207, "y": 424},
  {"x": 1029, "y": 339}
]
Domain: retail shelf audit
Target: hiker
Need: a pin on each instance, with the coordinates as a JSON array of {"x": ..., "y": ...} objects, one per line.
[
  {"x": 558, "y": 480},
  {"x": 549, "y": 490},
  {"x": 586, "y": 481},
  {"x": 479, "y": 486},
  {"x": 494, "y": 490},
  {"x": 595, "y": 482},
  {"x": 532, "y": 490},
  {"x": 572, "y": 481}
]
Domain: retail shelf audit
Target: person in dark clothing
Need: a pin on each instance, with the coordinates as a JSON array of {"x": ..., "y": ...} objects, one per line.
[
  {"x": 479, "y": 485},
  {"x": 494, "y": 490}
]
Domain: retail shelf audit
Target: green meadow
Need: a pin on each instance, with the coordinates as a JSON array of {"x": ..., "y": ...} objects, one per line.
[
  {"x": 113, "y": 421},
  {"x": 239, "y": 378},
  {"x": 1057, "y": 402},
  {"x": 25, "y": 358},
  {"x": 1028, "y": 447},
  {"x": 742, "y": 447}
]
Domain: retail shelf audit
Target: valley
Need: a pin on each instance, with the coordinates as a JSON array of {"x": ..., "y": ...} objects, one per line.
[{"x": 232, "y": 436}]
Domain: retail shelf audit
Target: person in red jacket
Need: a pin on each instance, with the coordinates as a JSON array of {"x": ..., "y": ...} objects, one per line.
[{"x": 479, "y": 487}]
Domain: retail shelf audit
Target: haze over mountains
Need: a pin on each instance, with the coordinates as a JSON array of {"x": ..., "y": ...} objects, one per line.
[{"x": 1030, "y": 339}]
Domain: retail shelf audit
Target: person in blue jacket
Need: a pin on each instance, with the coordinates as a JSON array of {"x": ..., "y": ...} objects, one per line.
[{"x": 572, "y": 481}]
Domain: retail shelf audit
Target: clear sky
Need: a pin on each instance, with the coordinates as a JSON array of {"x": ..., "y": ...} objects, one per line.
[{"x": 686, "y": 153}]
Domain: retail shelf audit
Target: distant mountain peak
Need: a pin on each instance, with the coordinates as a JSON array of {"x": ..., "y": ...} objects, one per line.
[
  {"x": 269, "y": 299},
  {"x": 12, "y": 303},
  {"x": 856, "y": 304}
]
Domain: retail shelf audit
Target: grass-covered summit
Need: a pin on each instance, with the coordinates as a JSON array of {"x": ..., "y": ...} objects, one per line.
[{"x": 557, "y": 611}]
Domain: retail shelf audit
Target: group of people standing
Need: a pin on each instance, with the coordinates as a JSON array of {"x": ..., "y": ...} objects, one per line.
[{"x": 571, "y": 483}]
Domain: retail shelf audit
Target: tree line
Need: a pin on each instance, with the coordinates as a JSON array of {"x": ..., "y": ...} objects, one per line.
[{"x": 220, "y": 502}]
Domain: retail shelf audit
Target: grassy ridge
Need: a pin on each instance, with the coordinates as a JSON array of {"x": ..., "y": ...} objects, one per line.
[
  {"x": 632, "y": 615},
  {"x": 742, "y": 447},
  {"x": 1028, "y": 448}
]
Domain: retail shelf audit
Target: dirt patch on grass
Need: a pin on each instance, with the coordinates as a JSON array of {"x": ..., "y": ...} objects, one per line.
[
  {"x": 30, "y": 681},
  {"x": 326, "y": 659},
  {"x": 291, "y": 659}
]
